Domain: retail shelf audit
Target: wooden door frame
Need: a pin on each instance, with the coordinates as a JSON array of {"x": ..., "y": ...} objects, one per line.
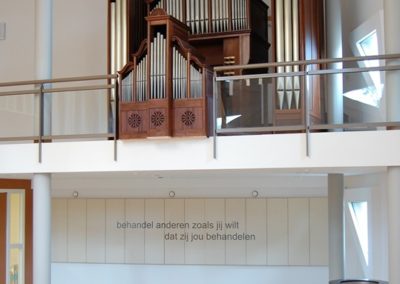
[
  {"x": 25, "y": 185},
  {"x": 3, "y": 235}
]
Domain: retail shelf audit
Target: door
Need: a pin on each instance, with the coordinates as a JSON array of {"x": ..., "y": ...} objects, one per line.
[{"x": 15, "y": 232}]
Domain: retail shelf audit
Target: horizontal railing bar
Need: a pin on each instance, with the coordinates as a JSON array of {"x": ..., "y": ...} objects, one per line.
[
  {"x": 354, "y": 70},
  {"x": 20, "y": 138},
  {"x": 60, "y": 80},
  {"x": 260, "y": 129},
  {"x": 303, "y": 127},
  {"x": 307, "y": 62},
  {"x": 77, "y": 89},
  {"x": 354, "y": 125},
  {"x": 260, "y": 76},
  {"x": 312, "y": 72},
  {"x": 20, "y": 93},
  {"x": 55, "y": 137},
  {"x": 58, "y": 90},
  {"x": 78, "y": 136}
]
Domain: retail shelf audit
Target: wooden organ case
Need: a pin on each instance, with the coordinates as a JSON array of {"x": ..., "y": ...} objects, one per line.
[
  {"x": 166, "y": 86},
  {"x": 166, "y": 89}
]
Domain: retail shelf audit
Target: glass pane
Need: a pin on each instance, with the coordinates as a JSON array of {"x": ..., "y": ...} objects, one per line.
[
  {"x": 16, "y": 261},
  {"x": 245, "y": 103},
  {"x": 16, "y": 239},
  {"x": 16, "y": 218}
]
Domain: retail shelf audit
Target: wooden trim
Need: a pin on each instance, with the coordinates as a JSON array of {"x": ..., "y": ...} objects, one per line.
[
  {"x": 16, "y": 184},
  {"x": 3, "y": 236}
]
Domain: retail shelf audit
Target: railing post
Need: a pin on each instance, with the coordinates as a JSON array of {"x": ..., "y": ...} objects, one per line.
[
  {"x": 41, "y": 121},
  {"x": 261, "y": 83},
  {"x": 116, "y": 115},
  {"x": 307, "y": 109},
  {"x": 215, "y": 101}
]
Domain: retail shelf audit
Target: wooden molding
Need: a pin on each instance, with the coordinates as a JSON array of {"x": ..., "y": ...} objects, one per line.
[{"x": 16, "y": 184}]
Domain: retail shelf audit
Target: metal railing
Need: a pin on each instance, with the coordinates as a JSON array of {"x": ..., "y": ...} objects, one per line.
[
  {"x": 306, "y": 72},
  {"x": 42, "y": 87}
]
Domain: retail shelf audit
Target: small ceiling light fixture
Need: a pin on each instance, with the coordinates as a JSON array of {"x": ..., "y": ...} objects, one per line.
[
  {"x": 254, "y": 193},
  {"x": 75, "y": 194},
  {"x": 172, "y": 194}
]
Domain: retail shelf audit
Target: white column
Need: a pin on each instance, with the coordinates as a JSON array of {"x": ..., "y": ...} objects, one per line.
[
  {"x": 392, "y": 87},
  {"x": 334, "y": 50},
  {"x": 43, "y": 49},
  {"x": 336, "y": 226},
  {"x": 394, "y": 223},
  {"x": 392, "y": 45},
  {"x": 41, "y": 229}
]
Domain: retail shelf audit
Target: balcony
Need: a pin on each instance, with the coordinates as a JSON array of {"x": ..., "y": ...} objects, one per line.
[{"x": 291, "y": 123}]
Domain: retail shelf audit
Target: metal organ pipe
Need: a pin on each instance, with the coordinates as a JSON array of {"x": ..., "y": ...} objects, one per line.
[
  {"x": 280, "y": 50},
  {"x": 118, "y": 28},
  {"x": 198, "y": 12},
  {"x": 296, "y": 51},
  {"x": 113, "y": 39},
  {"x": 179, "y": 76},
  {"x": 157, "y": 67},
  {"x": 141, "y": 79},
  {"x": 127, "y": 83},
  {"x": 124, "y": 30},
  {"x": 288, "y": 49}
]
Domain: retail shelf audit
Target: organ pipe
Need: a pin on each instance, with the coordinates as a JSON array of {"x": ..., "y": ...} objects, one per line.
[
  {"x": 280, "y": 52},
  {"x": 296, "y": 51},
  {"x": 119, "y": 35},
  {"x": 287, "y": 50},
  {"x": 113, "y": 63},
  {"x": 197, "y": 13}
]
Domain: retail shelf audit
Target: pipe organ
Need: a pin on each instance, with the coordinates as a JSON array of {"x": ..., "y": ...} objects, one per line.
[
  {"x": 166, "y": 88},
  {"x": 166, "y": 83}
]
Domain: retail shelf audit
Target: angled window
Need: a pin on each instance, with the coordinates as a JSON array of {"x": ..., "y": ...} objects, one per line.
[
  {"x": 367, "y": 40},
  {"x": 359, "y": 216}
]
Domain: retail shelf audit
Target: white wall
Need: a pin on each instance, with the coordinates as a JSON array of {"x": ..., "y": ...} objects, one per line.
[
  {"x": 286, "y": 231},
  {"x": 79, "y": 49},
  {"x": 130, "y": 274},
  {"x": 17, "y": 62}
]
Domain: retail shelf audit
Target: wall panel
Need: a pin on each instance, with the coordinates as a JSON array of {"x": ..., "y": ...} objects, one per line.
[
  {"x": 134, "y": 238},
  {"x": 319, "y": 246},
  {"x": 76, "y": 235},
  {"x": 115, "y": 240},
  {"x": 256, "y": 220},
  {"x": 96, "y": 230},
  {"x": 215, "y": 212},
  {"x": 277, "y": 235},
  {"x": 235, "y": 224},
  {"x": 59, "y": 230},
  {"x": 194, "y": 214},
  {"x": 154, "y": 238},
  {"x": 299, "y": 231},
  {"x": 174, "y": 246}
]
